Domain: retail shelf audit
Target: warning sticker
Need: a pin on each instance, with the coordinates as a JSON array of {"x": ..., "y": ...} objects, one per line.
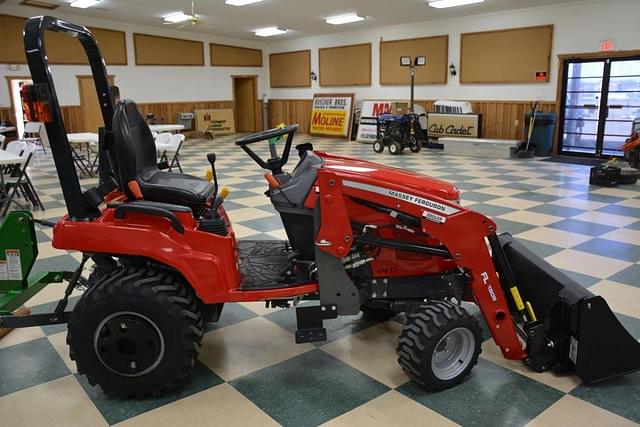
[
  {"x": 14, "y": 266},
  {"x": 573, "y": 350},
  {"x": 4, "y": 273}
]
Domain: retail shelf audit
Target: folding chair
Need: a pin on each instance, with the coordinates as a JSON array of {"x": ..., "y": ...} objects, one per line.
[
  {"x": 32, "y": 134},
  {"x": 14, "y": 147},
  {"x": 171, "y": 147},
  {"x": 19, "y": 181}
]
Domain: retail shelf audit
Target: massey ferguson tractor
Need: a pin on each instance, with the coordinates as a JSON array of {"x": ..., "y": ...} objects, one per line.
[{"x": 361, "y": 237}]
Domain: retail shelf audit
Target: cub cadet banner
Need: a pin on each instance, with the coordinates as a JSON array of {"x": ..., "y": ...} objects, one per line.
[
  {"x": 331, "y": 115},
  {"x": 457, "y": 125}
]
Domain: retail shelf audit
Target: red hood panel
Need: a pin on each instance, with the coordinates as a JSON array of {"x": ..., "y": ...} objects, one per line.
[{"x": 390, "y": 175}]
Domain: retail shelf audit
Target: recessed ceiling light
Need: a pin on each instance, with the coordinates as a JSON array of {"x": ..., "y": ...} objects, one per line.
[
  {"x": 441, "y": 4},
  {"x": 83, "y": 4},
  {"x": 177, "y": 17},
  {"x": 241, "y": 2},
  {"x": 344, "y": 19},
  {"x": 269, "y": 31}
]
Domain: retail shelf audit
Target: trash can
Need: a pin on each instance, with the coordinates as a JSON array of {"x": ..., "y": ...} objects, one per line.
[{"x": 543, "y": 128}]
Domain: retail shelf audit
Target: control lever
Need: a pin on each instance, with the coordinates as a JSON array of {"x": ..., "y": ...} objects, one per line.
[{"x": 211, "y": 157}]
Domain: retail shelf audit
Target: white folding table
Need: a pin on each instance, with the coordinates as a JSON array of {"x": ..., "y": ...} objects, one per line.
[{"x": 166, "y": 128}]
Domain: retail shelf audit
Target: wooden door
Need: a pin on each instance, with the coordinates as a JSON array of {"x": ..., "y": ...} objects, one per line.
[
  {"x": 89, "y": 106},
  {"x": 244, "y": 96}
]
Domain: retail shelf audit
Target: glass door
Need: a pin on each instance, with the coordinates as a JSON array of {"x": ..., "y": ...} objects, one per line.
[
  {"x": 600, "y": 99},
  {"x": 623, "y": 104}
]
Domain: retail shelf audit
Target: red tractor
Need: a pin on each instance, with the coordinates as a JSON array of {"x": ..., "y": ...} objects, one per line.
[{"x": 361, "y": 236}]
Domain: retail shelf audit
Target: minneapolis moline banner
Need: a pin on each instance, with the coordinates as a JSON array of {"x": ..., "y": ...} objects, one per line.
[
  {"x": 457, "y": 125},
  {"x": 331, "y": 115}
]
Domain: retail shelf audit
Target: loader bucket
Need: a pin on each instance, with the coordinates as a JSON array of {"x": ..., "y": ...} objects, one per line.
[{"x": 581, "y": 332}]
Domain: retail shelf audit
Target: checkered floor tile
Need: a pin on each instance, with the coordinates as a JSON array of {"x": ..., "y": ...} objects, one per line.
[{"x": 250, "y": 372}]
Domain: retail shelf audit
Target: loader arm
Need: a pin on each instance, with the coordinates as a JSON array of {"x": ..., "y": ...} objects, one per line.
[{"x": 462, "y": 231}]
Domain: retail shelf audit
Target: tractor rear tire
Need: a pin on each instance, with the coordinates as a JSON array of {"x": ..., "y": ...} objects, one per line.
[
  {"x": 439, "y": 344},
  {"x": 395, "y": 148},
  {"x": 378, "y": 147},
  {"x": 136, "y": 333}
]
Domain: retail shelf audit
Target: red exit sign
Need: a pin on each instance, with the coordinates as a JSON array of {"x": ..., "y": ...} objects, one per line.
[{"x": 607, "y": 46}]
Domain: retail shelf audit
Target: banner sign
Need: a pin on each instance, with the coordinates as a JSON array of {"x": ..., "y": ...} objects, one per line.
[
  {"x": 367, "y": 130},
  {"x": 215, "y": 122},
  {"x": 457, "y": 125},
  {"x": 331, "y": 115}
]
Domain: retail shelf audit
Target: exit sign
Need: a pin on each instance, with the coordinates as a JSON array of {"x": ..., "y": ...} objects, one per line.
[{"x": 607, "y": 45}]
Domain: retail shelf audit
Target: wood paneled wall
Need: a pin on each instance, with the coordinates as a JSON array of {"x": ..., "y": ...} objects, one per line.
[
  {"x": 166, "y": 112},
  {"x": 500, "y": 119},
  {"x": 5, "y": 114}
]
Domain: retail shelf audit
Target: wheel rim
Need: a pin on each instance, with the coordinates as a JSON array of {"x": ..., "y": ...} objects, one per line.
[
  {"x": 453, "y": 354},
  {"x": 128, "y": 344},
  {"x": 393, "y": 148}
]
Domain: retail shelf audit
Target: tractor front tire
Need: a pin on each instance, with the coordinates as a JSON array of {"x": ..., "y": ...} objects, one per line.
[
  {"x": 439, "y": 344},
  {"x": 378, "y": 147},
  {"x": 136, "y": 333},
  {"x": 395, "y": 148}
]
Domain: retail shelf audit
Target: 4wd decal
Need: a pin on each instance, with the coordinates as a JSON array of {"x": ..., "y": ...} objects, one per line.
[{"x": 405, "y": 197}]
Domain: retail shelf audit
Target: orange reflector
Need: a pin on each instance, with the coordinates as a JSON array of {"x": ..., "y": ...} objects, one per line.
[{"x": 272, "y": 180}]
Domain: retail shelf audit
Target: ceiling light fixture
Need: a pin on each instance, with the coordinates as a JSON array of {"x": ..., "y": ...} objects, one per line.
[
  {"x": 241, "y": 2},
  {"x": 177, "y": 17},
  {"x": 441, "y": 4},
  {"x": 269, "y": 31},
  {"x": 344, "y": 19},
  {"x": 83, "y": 4}
]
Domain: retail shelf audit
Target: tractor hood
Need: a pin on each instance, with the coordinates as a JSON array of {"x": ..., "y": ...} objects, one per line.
[{"x": 390, "y": 176}]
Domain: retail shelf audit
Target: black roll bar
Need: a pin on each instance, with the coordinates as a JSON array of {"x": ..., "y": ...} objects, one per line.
[{"x": 34, "y": 45}]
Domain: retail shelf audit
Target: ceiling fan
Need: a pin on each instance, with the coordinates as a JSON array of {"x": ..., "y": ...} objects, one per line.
[{"x": 181, "y": 19}]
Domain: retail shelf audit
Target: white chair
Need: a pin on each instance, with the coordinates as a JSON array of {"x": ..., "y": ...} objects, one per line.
[
  {"x": 2, "y": 140},
  {"x": 14, "y": 147},
  {"x": 175, "y": 143},
  {"x": 18, "y": 180},
  {"x": 32, "y": 134}
]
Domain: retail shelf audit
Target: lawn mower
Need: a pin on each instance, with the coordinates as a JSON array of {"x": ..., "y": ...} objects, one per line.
[
  {"x": 398, "y": 133},
  {"x": 361, "y": 237}
]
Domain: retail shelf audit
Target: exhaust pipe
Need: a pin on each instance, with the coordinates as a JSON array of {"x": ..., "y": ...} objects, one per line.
[{"x": 572, "y": 329}]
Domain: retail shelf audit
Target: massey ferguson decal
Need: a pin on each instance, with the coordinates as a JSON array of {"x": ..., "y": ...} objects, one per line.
[{"x": 405, "y": 197}]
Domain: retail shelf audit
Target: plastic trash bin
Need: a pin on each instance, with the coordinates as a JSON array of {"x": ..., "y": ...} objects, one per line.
[{"x": 543, "y": 128}]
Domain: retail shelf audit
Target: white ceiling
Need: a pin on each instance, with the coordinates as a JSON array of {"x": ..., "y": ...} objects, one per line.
[{"x": 301, "y": 17}]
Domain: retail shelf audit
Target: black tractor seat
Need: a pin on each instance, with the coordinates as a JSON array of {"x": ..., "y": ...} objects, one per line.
[{"x": 135, "y": 160}]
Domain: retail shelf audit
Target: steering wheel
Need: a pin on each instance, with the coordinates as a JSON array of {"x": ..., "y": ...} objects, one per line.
[{"x": 275, "y": 163}]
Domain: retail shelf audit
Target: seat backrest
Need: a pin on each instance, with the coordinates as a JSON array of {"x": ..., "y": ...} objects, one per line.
[
  {"x": 16, "y": 147},
  {"x": 175, "y": 141},
  {"x": 32, "y": 127},
  {"x": 2, "y": 139},
  {"x": 162, "y": 139},
  {"x": 134, "y": 154}
]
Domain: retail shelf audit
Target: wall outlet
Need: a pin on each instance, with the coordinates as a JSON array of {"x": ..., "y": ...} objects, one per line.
[{"x": 517, "y": 122}]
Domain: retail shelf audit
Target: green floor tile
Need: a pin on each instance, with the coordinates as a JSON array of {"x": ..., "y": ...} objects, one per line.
[
  {"x": 611, "y": 249},
  {"x": 541, "y": 249},
  {"x": 628, "y": 276},
  {"x": 231, "y": 313},
  {"x": 309, "y": 389},
  {"x": 619, "y": 395},
  {"x": 492, "y": 396},
  {"x": 582, "y": 227},
  {"x": 115, "y": 410},
  {"x": 28, "y": 364}
]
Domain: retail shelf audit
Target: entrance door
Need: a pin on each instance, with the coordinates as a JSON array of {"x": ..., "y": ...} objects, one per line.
[
  {"x": 244, "y": 97},
  {"x": 91, "y": 113},
  {"x": 601, "y": 98}
]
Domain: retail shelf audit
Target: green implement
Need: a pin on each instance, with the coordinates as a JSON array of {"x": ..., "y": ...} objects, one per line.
[{"x": 18, "y": 253}]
